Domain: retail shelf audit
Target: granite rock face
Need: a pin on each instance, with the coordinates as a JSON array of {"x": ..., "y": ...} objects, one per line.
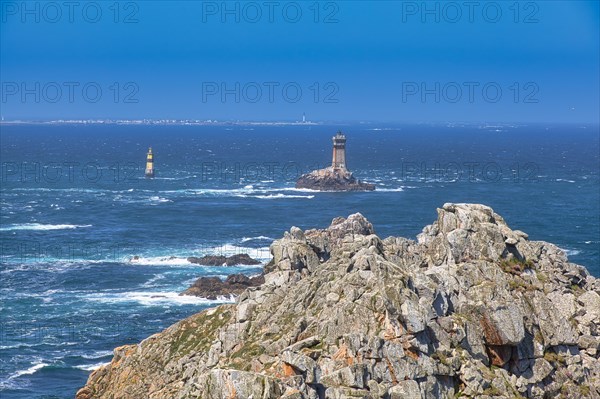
[
  {"x": 330, "y": 179},
  {"x": 471, "y": 309}
]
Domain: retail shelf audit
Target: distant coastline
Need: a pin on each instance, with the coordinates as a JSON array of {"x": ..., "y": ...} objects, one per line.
[
  {"x": 162, "y": 122},
  {"x": 388, "y": 125}
]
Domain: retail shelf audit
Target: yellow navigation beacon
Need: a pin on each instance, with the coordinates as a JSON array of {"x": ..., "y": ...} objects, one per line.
[{"x": 150, "y": 163}]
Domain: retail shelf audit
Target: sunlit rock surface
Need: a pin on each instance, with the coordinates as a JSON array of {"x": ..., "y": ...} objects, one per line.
[{"x": 471, "y": 309}]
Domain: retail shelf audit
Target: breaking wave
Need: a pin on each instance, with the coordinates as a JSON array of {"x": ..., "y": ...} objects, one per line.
[
  {"x": 8, "y": 382},
  {"x": 155, "y": 298},
  {"x": 280, "y": 196},
  {"x": 160, "y": 261},
  {"x": 41, "y": 227},
  {"x": 91, "y": 367},
  {"x": 258, "y": 238}
]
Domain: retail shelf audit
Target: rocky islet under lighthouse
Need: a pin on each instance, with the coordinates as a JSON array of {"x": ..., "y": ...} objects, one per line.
[{"x": 337, "y": 177}]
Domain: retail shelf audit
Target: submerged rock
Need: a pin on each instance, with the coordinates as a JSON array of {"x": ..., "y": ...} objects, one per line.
[{"x": 471, "y": 309}]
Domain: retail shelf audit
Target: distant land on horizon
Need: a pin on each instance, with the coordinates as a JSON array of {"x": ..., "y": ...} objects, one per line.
[{"x": 215, "y": 122}]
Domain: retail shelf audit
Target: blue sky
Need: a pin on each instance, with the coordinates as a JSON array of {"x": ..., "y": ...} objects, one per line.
[{"x": 390, "y": 61}]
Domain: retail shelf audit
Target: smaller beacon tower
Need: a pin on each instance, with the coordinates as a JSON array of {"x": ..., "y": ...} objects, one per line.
[
  {"x": 339, "y": 151},
  {"x": 150, "y": 163}
]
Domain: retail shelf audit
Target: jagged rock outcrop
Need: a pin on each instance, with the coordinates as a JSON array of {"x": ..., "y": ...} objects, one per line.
[
  {"x": 214, "y": 287},
  {"x": 332, "y": 179},
  {"x": 471, "y": 309},
  {"x": 221, "y": 260}
]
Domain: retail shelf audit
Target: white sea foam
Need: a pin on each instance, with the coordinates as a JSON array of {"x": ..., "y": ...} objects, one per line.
[
  {"x": 210, "y": 191},
  {"x": 160, "y": 261},
  {"x": 566, "y": 180},
  {"x": 150, "y": 283},
  {"x": 154, "y": 298},
  {"x": 300, "y": 190},
  {"x": 570, "y": 252},
  {"x": 244, "y": 192},
  {"x": 38, "y": 365},
  {"x": 227, "y": 249},
  {"x": 91, "y": 367},
  {"x": 246, "y": 239},
  {"x": 97, "y": 355},
  {"x": 18, "y": 346},
  {"x": 280, "y": 196},
  {"x": 39, "y": 226},
  {"x": 158, "y": 199},
  {"x": 384, "y": 189}
]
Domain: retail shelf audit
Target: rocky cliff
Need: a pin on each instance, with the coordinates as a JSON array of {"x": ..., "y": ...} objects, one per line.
[{"x": 471, "y": 309}]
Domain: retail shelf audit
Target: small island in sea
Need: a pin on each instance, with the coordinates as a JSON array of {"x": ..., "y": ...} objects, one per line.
[{"x": 336, "y": 177}]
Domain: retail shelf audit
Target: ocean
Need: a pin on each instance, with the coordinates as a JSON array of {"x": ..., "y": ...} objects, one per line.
[{"x": 76, "y": 208}]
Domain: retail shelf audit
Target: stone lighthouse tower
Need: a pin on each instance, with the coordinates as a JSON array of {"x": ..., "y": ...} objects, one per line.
[
  {"x": 336, "y": 177},
  {"x": 339, "y": 151}
]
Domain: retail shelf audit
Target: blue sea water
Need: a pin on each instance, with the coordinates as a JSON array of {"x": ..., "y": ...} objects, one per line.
[{"x": 76, "y": 208}]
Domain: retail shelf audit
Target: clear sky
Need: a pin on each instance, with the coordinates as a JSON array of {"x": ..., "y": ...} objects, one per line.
[{"x": 480, "y": 61}]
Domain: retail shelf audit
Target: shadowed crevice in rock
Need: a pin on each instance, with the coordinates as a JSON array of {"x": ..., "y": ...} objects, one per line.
[{"x": 471, "y": 308}]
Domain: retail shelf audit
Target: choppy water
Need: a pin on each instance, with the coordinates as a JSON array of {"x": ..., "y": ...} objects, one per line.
[{"x": 76, "y": 208}]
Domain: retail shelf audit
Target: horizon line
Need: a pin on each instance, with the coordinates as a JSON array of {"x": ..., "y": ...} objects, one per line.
[{"x": 217, "y": 122}]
